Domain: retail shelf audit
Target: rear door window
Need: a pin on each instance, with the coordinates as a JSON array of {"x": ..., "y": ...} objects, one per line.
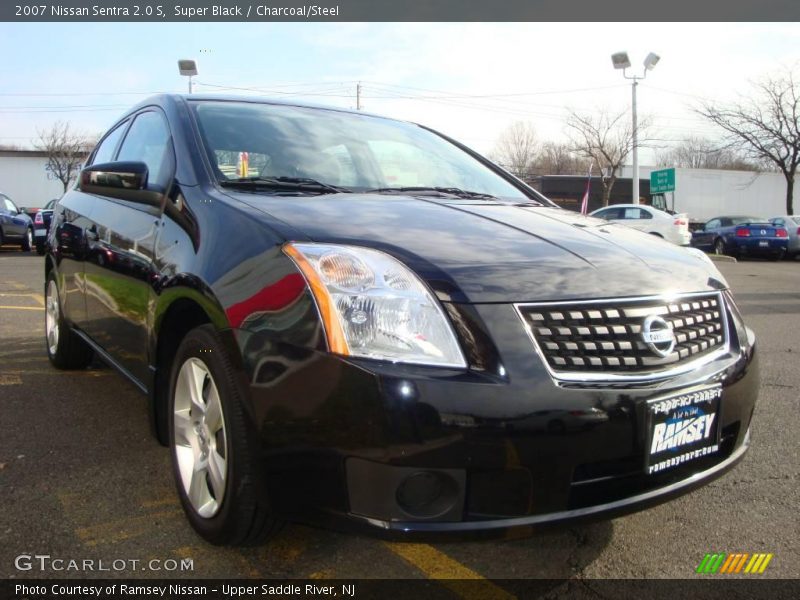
[{"x": 105, "y": 151}]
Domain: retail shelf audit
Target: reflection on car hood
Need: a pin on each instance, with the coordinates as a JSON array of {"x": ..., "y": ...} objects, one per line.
[{"x": 484, "y": 251}]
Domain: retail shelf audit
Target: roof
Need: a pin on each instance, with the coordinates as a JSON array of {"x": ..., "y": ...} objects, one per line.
[{"x": 160, "y": 98}]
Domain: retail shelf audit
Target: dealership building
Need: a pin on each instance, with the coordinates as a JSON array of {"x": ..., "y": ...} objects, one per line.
[{"x": 25, "y": 179}]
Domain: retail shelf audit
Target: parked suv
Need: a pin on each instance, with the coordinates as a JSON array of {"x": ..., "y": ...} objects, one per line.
[{"x": 348, "y": 320}]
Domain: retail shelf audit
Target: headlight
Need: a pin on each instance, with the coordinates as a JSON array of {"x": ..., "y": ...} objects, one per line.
[{"x": 373, "y": 306}]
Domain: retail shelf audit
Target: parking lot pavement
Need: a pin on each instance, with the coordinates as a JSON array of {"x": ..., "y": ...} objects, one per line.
[{"x": 81, "y": 478}]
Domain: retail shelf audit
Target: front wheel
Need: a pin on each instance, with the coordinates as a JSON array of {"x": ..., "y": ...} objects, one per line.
[
  {"x": 719, "y": 247},
  {"x": 65, "y": 349},
  {"x": 214, "y": 447}
]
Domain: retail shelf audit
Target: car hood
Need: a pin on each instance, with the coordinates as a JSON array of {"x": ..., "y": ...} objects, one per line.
[{"x": 486, "y": 251}]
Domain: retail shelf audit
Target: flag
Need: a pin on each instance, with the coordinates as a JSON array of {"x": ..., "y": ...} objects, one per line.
[{"x": 585, "y": 201}]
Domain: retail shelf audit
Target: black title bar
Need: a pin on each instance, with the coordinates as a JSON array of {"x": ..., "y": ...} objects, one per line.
[{"x": 398, "y": 10}]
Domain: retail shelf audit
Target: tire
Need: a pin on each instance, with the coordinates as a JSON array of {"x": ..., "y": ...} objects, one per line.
[
  {"x": 779, "y": 256},
  {"x": 719, "y": 246},
  {"x": 27, "y": 240},
  {"x": 2, "y": 241},
  {"x": 213, "y": 446},
  {"x": 64, "y": 348}
]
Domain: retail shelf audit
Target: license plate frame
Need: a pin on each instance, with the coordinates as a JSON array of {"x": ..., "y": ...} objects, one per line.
[{"x": 679, "y": 429}]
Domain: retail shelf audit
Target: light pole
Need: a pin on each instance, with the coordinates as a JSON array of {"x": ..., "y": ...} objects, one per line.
[
  {"x": 187, "y": 68},
  {"x": 620, "y": 60}
]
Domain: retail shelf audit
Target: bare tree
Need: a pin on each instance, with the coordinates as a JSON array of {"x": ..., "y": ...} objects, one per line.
[
  {"x": 66, "y": 151},
  {"x": 703, "y": 153},
  {"x": 606, "y": 139},
  {"x": 516, "y": 149},
  {"x": 559, "y": 159},
  {"x": 765, "y": 126}
]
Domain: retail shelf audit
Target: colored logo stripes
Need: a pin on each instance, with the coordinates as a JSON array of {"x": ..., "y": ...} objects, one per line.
[{"x": 721, "y": 562}]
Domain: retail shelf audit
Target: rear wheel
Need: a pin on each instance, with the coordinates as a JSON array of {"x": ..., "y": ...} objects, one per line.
[
  {"x": 27, "y": 241},
  {"x": 64, "y": 348},
  {"x": 214, "y": 448},
  {"x": 778, "y": 256}
]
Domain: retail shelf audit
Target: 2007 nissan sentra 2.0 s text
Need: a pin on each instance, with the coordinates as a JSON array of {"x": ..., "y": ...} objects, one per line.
[{"x": 347, "y": 320}]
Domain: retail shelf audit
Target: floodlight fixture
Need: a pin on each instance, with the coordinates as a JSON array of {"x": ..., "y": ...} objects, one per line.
[
  {"x": 651, "y": 61},
  {"x": 188, "y": 68},
  {"x": 620, "y": 60}
]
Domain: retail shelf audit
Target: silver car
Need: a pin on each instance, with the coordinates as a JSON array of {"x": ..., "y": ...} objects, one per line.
[{"x": 792, "y": 224}]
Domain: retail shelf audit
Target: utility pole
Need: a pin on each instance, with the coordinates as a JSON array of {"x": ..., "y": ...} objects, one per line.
[
  {"x": 358, "y": 96},
  {"x": 635, "y": 178}
]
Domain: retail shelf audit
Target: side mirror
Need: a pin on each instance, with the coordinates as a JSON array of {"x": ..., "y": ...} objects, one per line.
[{"x": 123, "y": 180}]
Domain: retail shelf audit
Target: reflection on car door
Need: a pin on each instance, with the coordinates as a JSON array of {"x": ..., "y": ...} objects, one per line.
[{"x": 122, "y": 238}]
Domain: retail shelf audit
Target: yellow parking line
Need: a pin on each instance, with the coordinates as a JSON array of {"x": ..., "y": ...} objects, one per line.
[
  {"x": 122, "y": 529},
  {"x": 22, "y": 307},
  {"x": 448, "y": 572},
  {"x": 206, "y": 555}
]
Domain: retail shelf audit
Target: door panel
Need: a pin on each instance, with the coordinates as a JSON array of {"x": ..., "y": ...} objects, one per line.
[{"x": 121, "y": 240}]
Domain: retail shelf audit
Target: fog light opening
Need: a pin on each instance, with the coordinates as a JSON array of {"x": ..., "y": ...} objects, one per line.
[{"x": 427, "y": 494}]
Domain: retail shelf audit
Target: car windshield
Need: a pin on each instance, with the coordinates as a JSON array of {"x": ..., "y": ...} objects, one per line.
[{"x": 337, "y": 149}]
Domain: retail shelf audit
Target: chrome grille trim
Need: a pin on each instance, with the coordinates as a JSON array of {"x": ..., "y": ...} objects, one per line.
[{"x": 706, "y": 339}]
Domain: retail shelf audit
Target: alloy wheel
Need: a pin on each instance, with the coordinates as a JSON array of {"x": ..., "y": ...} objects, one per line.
[
  {"x": 199, "y": 438},
  {"x": 51, "y": 317}
]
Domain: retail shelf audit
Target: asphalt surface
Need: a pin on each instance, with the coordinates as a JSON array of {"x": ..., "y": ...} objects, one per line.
[{"x": 81, "y": 478}]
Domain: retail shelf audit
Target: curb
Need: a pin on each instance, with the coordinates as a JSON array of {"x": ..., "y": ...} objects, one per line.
[{"x": 722, "y": 258}]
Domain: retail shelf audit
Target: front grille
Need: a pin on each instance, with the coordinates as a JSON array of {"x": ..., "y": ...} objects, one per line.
[{"x": 607, "y": 336}]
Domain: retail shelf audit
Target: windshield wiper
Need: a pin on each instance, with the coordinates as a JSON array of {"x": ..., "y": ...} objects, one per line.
[
  {"x": 453, "y": 191},
  {"x": 302, "y": 184}
]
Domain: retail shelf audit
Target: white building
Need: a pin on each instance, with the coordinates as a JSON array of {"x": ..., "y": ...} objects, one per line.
[
  {"x": 25, "y": 179},
  {"x": 707, "y": 193}
]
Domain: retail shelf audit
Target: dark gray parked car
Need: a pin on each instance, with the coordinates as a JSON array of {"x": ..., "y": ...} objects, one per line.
[{"x": 15, "y": 225}]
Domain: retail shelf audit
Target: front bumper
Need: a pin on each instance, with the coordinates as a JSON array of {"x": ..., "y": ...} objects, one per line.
[
  {"x": 603, "y": 510},
  {"x": 515, "y": 448}
]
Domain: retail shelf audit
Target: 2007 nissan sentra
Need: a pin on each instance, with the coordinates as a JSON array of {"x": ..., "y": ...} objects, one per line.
[{"x": 347, "y": 320}]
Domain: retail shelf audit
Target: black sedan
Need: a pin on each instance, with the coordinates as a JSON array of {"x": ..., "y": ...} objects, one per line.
[
  {"x": 742, "y": 236},
  {"x": 348, "y": 320}
]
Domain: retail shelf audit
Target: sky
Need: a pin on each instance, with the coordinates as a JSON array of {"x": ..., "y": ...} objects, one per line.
[{"x": 467, "y": 80}]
